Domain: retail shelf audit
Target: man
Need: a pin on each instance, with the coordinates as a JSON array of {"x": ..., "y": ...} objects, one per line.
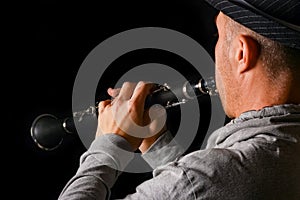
[{"x": 255, "y": 156}]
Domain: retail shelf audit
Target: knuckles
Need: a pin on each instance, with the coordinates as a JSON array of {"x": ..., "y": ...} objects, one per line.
[
  {"x": 127, "y": 84},
  {"x": 102, "y": 105},
  {"x": 142, "y": 84}
]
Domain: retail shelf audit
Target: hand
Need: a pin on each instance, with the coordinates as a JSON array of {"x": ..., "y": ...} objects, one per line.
[
  {"x": 125, "y": 115},
  {"x": 147, "y": 142}
]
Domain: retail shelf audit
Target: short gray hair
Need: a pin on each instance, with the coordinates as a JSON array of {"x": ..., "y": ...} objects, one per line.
[{"x": 276, "y": 58}]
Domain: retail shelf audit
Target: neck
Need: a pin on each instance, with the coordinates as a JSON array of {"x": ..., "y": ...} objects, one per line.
[{"x": 261, "y": 92}]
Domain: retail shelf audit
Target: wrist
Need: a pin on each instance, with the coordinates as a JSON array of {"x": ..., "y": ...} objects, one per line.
[
  {"x": 148, "y": 142},
  {"x": 133, "y": 141}
]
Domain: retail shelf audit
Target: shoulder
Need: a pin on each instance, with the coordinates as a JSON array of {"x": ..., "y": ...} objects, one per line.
[
  {"x": 208, "y": 164},
  {"x": 211, "y": 162},
  {"x": 207, "y": 173}
]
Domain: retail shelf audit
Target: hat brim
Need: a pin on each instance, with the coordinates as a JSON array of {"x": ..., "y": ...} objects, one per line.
[{"x": 258, "y": 23}]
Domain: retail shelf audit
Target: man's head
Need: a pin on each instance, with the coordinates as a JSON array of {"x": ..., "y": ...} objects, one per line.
[{"x": 252, "y": 70}]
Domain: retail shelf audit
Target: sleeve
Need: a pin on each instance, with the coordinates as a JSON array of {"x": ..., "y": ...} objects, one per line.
[
  {"x": 107, "y": 157},
  {"x": 99, "y": 168},
  {"x": 164, "y": 150},
  {"x": 170, "y": 181}
]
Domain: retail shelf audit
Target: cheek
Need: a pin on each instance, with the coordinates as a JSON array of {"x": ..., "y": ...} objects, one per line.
[
  {"x": 218, "y": 54},
  {"x": 219, "y": 82},
  {"x": 217, "y": 50},
  {"x": 218, "y": 62},
  {"x": 221, "y": 76}
]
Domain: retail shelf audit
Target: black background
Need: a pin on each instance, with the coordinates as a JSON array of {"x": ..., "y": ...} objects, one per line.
[{"x": 47, "y": 42}]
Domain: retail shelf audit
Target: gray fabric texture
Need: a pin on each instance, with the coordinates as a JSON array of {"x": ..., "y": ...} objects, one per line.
[{"x": 256, "y": 156}]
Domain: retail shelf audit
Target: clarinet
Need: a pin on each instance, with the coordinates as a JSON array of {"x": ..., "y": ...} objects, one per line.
[{"x": 48, "y": 131}]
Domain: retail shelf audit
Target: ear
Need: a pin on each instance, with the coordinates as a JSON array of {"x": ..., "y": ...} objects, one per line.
[{"x": 246, "y": 53}]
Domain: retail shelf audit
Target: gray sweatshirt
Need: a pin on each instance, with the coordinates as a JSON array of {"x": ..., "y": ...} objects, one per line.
[{"x": 256, "y": 156}]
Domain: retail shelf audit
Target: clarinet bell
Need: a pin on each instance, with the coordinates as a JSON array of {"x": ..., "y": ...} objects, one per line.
[{"x": 47, "y": 131}]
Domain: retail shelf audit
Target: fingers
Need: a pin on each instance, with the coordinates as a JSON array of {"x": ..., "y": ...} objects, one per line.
[
  {"x": 141, "y": 91},
  {"x": 102, "y": 105},
  {"x": 135, "y": 92},
  {"x": 127, "y": 90},
  {"x": 113, "y": 92}
]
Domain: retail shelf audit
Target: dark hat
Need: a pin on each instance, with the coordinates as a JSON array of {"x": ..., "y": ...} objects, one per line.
[{"x": 278, "y": 20}]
